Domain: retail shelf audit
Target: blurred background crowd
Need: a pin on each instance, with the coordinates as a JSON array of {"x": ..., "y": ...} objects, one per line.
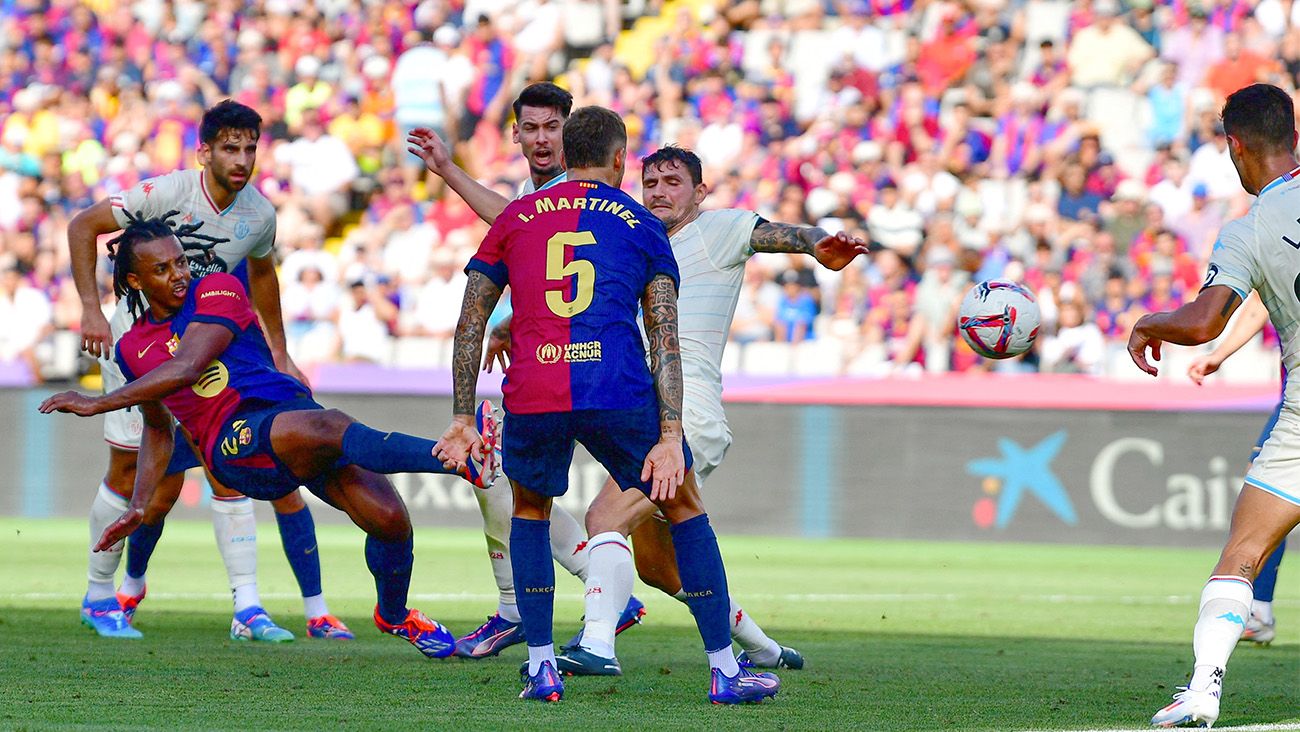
[{"x": 1072, "y": 146}]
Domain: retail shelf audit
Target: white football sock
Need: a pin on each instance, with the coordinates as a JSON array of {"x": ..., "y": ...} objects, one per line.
[
  {"x": 509, "y": 612},
  {"x": 132, "y": 586},
  {"x": 762, "y": 650},
  {"x": 609, "y": 585},
  {"x": 1225, "y": 607},
  {"x": 723, "y": 660},
  {"x": 314, "y": 606},
  {"x": 106, "y": 508},
  {"x": 497, "y": 504},
  {"x": 235, "y": 527},
  {"x": 537, "y": 655},
  {"x": 1263, "y": 611},
  {"x": 568, "y": 542}
]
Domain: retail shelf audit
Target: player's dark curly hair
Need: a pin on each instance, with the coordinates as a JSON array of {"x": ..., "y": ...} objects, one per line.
[
  {"x": 121, "y": 251},
  {"x": 680, "y": 155},
  {"x": 229, "y": 115},
  {"x": 1262, "y": 116},
  {"x": 544, "y": 94},
  {"x": 591, "y": 137}
]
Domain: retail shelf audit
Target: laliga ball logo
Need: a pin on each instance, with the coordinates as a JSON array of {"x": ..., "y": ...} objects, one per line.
[
  {"x": 998, "y": 319},
  {"x": 548, "y": 353}
]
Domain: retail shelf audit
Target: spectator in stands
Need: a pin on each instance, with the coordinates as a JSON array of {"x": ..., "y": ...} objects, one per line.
[
  {"x": 27, "y": 315},
  {"x": 1077, "y": 347},
  {"x": 796, "y": 310},
  {"x": 322, "y": 171},
  {"x": 1106, "y": 52}
]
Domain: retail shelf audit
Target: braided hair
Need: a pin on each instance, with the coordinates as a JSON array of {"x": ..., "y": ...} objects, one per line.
[{"x": 139, "y": 229}]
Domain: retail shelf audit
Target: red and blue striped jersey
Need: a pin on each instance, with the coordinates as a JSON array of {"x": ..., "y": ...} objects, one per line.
[
  {"x": 245, "y": 370},
  {"x": 577, "y": 257}
]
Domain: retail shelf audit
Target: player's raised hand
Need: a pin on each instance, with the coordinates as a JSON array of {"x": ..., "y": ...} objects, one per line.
[
  {"x": 458, "y": 442},
  {"x": 96, "y": 337},
  {"x": 498, "y": 347},
  {"x": 1202, "y": 367},
  {"x": 71, "y": 402},
  {"x": 665, "y": 466},
  {"x": 837, "y": 250},
  {"x": 1138, "y": 342},
  {"x": 120, "y": 529},
  {"x": 426, "y": 145}
]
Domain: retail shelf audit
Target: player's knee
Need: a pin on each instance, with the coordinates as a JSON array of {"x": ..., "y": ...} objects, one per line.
[
  {"x": 389, "y": 522},
  {"x": 330, "y": 421},
  {"x": 291, "y": 503}
]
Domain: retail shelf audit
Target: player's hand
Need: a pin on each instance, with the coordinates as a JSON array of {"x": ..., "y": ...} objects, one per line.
[
  {"x": 458, "y": 442},
  {"x": 71, "y": 402},
  {"x": 1202, "y": 367},
  {"x": 498, "y": 347},
  {"x": 426, "y": 145},
  {"x": 120, "y": 529},
  {"x": 836, "y": 251},
  {"x": 1138, "y": 342},
  {"x": 665, "y": 466},
  {"x": 96, "y": 337}
]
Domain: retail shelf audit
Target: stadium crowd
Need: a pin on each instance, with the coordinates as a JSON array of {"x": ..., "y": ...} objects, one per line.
[{"x": 1071, "y": 146}]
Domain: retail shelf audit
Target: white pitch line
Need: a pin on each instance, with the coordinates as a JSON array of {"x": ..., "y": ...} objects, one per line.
[{"x": 1242, "y": 728}]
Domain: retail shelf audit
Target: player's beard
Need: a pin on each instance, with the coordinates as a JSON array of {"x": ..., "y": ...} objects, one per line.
[
  {"x": 223, "y": 179},
  {"x": 546, "y": 173}
]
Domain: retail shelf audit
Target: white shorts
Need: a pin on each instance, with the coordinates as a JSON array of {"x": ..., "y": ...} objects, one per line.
[
  {"x": 1277, "y": 467},
  {"x": 122, "y": 427},
  {"x": 705, "y": 425}
]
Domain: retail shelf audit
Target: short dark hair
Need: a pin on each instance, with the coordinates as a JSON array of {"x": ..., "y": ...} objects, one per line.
[
  {"x": 1261, "y": 116},
  {"x": 679, "y": 155},
  {"x": 591, "y": 136},
  {"x": 544, "y": 94},
  {"x": 229, "y": 115}
]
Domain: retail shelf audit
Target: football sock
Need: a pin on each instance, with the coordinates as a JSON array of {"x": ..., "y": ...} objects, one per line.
[
  {"x": 139, "y": 548},
  {"x": 704, "y": 580},
  {"x": 762, "y": 650},
  {"x": 496, "y": 503},
  {"x": 609, "y": 585},
  {"x": 568, "y": 542},
  {"x": 537, "y": 655},
  {"x": 106, "y": 508},
  {"x": 313, "y": 606},
  {"x": 530, "y": 558},
  {"x": 724, "y": 661},
  {"x": 235, "y": 527},
  {"x": 390, "y": 562},
  {"x": 1263, "y": 610},
  {"x": 389, "y": 452},
  {"x": 1225, "y": 607},
  {"x": 1267, "y": 577},
  {"x": 298, "y": 537},
  {"x": 132, "y": 586}
]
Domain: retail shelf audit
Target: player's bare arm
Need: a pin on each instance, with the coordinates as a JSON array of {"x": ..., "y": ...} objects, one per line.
[
  {"x": 429, "y": 147},
  {"x": 202, "y": 344},
  {"x": 155, "y": 450},
  {"x": 666, "y": 462},
  {"x": 1197, "y": 322},
  {"x": 1252, "y": 318},
  {"x": 461, "y": 437},
  {"x": 83, "y": 235},
  {"x": 264, "y": 287},
  {"x": 833, "y": 251}
]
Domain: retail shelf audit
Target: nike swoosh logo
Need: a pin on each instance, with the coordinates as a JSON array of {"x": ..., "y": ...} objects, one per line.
[
  {"x": 309, "y": 551},
  {"x": 146, "y": 350}
]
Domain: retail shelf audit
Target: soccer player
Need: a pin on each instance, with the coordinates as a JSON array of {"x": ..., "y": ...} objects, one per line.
[
  {"x": 580, "y": 257},
  {"x": 1261, "y": 628},
  {"x": 238, "y": 225},
  {"x": 1255, "y": 252},
  {"x": 540, "y": 111},
  {"x": 198, "y": 352}
]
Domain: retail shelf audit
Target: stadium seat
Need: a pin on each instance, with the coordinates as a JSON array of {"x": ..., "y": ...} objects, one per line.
[
  {"x": 731, "y": 357},
  {"x": 767, "y": 359},
  {"x": 419, "y": 352},
  {"x": 819, "y": 357}
]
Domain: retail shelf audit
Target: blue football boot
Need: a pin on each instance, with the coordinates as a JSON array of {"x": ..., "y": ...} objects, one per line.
[
  {"x": 745, "y": 687},
  {"x": 789, "y": 658},
  {"x": 545, "y": 685},
  {"x": 106, "y": 618},
  {"x": 490, "y": 638},
  {"x": 253, "y": 624}
]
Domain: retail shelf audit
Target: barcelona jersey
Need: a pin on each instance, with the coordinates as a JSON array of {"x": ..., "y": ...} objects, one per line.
[
  {"x": 244, "y": 371},
  {"x": 577, "y": 257}
]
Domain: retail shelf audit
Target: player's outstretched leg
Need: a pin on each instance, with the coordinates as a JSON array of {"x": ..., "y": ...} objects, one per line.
[
  {"x": 534, "y": 571},
  {"x": 298, "y": 538},
  {"x": 1261, "y": 628}
]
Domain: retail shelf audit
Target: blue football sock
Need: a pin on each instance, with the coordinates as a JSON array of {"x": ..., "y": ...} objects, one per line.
[
  {"x": 1264, "y": 581},
  {"x": 704, "y": 580},
  {"x": 389, "y": 452},
  {"x": 390, "y": 562},
  {"x": 530, "y": 561},
  {"x": 140, "y": 547},
  {"x": 298, "y": 536}
]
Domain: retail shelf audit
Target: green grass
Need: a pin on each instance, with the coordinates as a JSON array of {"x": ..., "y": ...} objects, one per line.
[{"x": 898, "y": 636}]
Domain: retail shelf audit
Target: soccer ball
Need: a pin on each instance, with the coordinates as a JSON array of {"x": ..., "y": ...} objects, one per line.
[{"x": 998, "y": 319}]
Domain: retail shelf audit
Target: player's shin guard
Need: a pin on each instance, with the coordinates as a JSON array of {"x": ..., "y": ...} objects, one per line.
[
  {"x": 609, "y": 585},
  {"x": 569, "y": 542},
  {"x": 496, "y": 504},
  {"x": 106, "y": 508},
  {"x": 235, "y": 527},
  {"x": 1225, "y": 607},
  {"x": 390, "y": 562},
  {"x": 704, "y": 580},
  {"x": 298, "y": 537},
  {"x": 530, "y": 558},
  {"x": 389, "y": 452}
]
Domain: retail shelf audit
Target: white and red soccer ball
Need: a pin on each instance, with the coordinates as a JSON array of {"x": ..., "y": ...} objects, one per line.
[{"x": 998, "y": 319}]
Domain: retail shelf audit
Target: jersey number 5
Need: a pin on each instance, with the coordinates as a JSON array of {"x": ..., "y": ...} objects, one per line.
[{"x": 556, "y": 269}]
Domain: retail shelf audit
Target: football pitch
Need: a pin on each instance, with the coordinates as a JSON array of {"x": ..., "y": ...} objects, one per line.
[{"x": 897, "y": 635}]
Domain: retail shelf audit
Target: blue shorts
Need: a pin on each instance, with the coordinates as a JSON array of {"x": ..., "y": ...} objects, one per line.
[
  {"x": 243, "y": 460},
  {"x": 537, "y": 449},
  {"x": 183, "y": 455}
]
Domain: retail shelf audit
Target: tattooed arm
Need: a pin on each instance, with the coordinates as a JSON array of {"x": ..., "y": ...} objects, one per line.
[
  {"x": 460, "y": 439},
  {"x": 665, "y": 463},
  {"x": 1199, "y": 321},
  {"x": 833, "y": 252}
]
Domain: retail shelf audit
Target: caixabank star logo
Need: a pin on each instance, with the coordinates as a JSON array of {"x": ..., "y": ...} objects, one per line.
[{"x": 1006, "y": 480}]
